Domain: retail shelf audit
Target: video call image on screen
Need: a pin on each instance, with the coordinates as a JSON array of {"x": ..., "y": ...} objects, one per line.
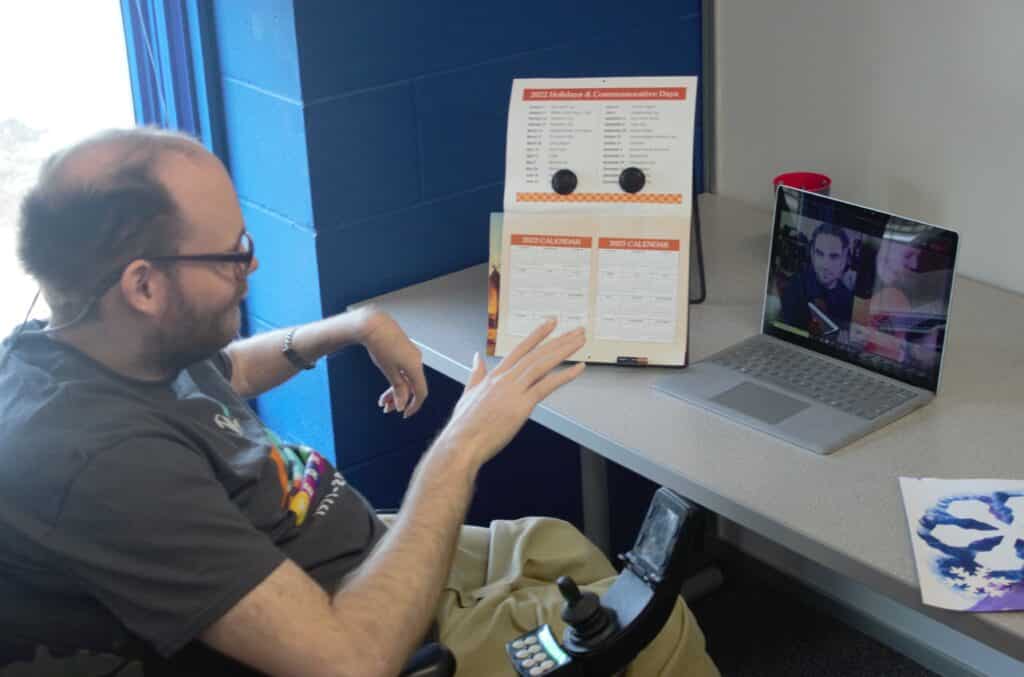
[{"x": 862, "y": 286}]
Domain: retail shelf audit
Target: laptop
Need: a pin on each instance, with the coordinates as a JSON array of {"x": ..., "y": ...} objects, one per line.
[{"x": 853, "y": 328}]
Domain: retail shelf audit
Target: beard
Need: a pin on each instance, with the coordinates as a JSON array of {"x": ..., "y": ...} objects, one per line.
[{"x": 189, "y": 334}]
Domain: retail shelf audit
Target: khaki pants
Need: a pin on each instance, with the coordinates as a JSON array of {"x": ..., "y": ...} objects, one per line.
[{"x": 502, "y": 585}]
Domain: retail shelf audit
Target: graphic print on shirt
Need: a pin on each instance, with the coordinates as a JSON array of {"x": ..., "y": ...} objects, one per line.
[
  {"x": 299, "y": 468},
  {"x": 337, "y": 484},
  {"x": 288, "y": 466},
  {"x": 282, "y": 474},
  {"x": 225, "y": 421},
  {"x": 228, "y": 423}
]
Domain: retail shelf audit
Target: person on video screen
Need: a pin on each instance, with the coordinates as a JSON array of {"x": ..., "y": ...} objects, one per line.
[
  {"x": 876, "y": 325},
  {"x": 817, "y": 299}
]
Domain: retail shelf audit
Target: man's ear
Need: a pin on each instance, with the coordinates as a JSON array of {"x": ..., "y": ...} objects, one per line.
[{"x": 144, "y": 287}]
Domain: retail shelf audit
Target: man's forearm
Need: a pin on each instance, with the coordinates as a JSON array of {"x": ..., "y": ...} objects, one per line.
[
  {"x": 258, "y": 364},
  {"x": 394, "y": 594}
]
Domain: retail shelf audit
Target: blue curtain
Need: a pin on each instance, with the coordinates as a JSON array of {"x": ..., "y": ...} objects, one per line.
[{"x": 173, "y": 70}]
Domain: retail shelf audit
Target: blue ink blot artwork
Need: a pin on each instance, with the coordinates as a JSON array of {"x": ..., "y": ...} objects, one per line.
[{"x": 977, "y": 543}]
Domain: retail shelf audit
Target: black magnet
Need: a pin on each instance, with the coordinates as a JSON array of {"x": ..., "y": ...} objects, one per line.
[
  {"x": 632, "y": 179},
  {"x": 564, "y": 181}
]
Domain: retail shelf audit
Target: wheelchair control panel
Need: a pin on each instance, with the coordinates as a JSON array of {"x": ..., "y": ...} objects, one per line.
[
  {"x": 537, "y": 652},
  {"x": 604, "y": 634}
]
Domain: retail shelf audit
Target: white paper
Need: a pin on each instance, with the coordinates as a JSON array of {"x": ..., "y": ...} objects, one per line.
[
  {"x": 597, "y": 127},
  {"x": 623, "y": 278},
  {"x": 637, "y": 290},
  {"x": 549, "y": 276},
  {"x": 968, "y": 541}
]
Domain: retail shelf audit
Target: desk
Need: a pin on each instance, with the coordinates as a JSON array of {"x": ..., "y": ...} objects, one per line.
[{"x": 835, "y": 522}]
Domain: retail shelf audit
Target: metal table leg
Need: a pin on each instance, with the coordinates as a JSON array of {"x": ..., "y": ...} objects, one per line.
[{"x": 594, "y": 478}]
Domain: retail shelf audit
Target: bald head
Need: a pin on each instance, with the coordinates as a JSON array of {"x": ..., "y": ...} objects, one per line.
[
  {"x": 100, "y": 158},
  {"x": 98, "y": 205}
]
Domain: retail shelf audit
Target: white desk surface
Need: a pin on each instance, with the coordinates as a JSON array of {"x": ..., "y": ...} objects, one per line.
[{"x": 842, "y": 511}]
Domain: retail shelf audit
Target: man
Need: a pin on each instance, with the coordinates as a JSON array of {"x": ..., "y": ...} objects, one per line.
[
  {"x": 821, "y": 287},
  {"x": 136, "y": 485}
]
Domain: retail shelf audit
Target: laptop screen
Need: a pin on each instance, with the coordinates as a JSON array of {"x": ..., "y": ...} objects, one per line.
[{"x": 860, "y": 285}]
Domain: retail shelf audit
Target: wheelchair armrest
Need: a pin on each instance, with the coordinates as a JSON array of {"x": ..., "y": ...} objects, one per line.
[{"x": 430, "y": 660}]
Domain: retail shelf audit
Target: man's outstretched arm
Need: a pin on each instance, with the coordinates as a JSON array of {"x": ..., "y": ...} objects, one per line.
[
  {"x": 258, "y": 363},
  {"x": 288, "y": 626}
]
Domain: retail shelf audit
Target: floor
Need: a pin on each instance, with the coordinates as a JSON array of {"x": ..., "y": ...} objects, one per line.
[{"x": 762, "y": 625}]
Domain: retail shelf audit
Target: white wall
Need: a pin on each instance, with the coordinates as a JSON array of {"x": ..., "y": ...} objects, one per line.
[{"x": 914, "y": 106}]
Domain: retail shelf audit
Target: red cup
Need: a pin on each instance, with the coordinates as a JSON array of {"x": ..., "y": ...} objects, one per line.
[{"x": 809, "y": 181}]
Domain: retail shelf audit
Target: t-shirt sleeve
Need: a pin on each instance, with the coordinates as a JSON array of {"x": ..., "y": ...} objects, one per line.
[
  {"x": 148, "y": 531},
  {"x": 222, "y": 362}
]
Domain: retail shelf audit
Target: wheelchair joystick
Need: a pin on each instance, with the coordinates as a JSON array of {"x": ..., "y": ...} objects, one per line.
[
  {"x": 589, "y": 622},
  {"x": 604, "y": 634}
]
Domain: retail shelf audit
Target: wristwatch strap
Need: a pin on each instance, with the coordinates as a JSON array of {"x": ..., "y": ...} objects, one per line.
[{"x": 289, "y": 352}]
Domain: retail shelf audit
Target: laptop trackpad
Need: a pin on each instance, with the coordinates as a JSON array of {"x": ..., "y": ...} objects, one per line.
[{"x": 764, "y": 404}]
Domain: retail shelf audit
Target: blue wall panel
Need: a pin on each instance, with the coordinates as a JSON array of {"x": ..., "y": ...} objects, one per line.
[
  {"x": 367, "y": 44},
  {"x": 266, "y": 138},
  {"x": 458, "y": 61},
  {"x": 367, "y": 142},
  {"x": 380, "y": 480},
  {"x": 256, "y": 44},
  {"x": 462, "y": 119},
  {"x": 363, "y": 154},
  {"x": 538, "y": 469},
  {"x": 285, "y": 290},
  {"x": 538, "y": 473},
  {"x": 364, "y": 432},
  {"x": 415, "y": 244},
  {"x": 394, "y": 250},
  {"x": 463, "y": 114}
]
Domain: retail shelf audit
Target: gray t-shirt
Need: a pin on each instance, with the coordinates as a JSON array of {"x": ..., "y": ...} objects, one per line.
[{"x": 156, "y": 505}]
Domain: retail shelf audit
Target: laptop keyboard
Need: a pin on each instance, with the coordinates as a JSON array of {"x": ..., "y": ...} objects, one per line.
[{"x": 835, "y": 385}]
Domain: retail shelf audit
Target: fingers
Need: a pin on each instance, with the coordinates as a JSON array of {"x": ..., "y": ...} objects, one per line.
[
  {"x": 526, "y": 345},
  {"x": 392, "y": 399},
  {"x": 478, "y": 371},
  {"x": 386, "y": 401},
  {"x": 417, "y": 382},
  {"x": 556, "y": 379},
  {"x": 537, "y": 364},
  {"x": 400, "y": 388}
]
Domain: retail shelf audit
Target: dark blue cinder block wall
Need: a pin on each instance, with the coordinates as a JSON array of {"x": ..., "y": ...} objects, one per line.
[{"x": 367, "y": 141}]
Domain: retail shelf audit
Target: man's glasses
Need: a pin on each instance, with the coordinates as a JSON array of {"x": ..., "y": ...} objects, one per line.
[{"x": 243, "y": 257}]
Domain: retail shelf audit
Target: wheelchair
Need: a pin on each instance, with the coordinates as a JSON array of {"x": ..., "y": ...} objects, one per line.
[{"x": 602, "y": 637}]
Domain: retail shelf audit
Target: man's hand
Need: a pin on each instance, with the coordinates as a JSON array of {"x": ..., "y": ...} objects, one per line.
[
  {"x": 495, "y": 405},
  {"x": 400, "y": 361}
]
